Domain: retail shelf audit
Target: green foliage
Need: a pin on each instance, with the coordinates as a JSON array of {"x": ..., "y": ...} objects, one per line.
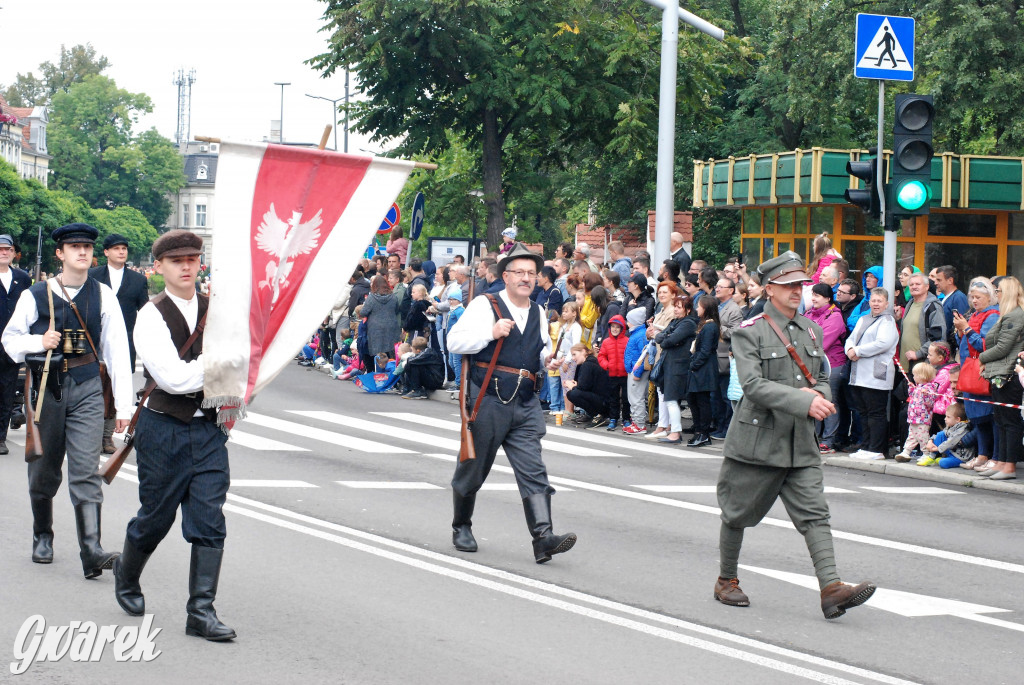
[
  {"x": 96, "y": 156},
  {"x": 129, "y": 222},
  {"x": 72, "y": 67},
  {"x": 716, "y": 235},
  {"x": 156, "y": 284}
]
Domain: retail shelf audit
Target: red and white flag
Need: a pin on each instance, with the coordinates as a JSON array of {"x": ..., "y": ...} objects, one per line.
[{"x": 291, "y": 226}]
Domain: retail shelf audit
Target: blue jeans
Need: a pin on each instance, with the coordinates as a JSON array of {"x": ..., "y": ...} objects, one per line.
[
  {"x": 456, "y": 362},
  {"x": 555, "y": 393}
]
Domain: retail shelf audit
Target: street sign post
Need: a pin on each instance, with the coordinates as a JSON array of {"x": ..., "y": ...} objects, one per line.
[
  {"x": 884, "y": 48},
  {"x": 417, "y": 217}
]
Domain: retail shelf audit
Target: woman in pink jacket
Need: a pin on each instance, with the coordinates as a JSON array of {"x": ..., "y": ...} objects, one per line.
[{"x": 826, "y": 314}]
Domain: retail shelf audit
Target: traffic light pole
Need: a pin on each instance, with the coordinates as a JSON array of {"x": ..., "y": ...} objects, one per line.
[{"x": 890, "y": 244}]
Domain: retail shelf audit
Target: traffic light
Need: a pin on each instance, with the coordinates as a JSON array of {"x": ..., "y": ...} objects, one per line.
[
  {"x": 868, "y": 198},
  {"x": 910, "y": 191}
]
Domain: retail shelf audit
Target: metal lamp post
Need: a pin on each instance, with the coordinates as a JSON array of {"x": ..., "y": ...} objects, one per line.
[
  {"x": 477, "y": 193},
  {"x": 280, "y": 133},
  {"x": 334, "y": 110}
]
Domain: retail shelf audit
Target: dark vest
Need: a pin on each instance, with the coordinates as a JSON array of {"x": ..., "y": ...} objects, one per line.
[
  {"x": 181, "y": 407},
  {"x": 89, "y": 305},
  {"x": 519, "y": 351}
]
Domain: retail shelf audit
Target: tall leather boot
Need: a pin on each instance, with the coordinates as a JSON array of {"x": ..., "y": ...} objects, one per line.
[
  {"x": 94, "y": 558},
  {"x": 42, "y": 530},
  {"x": 538, "y": 518},
  {"x": 462, "y": 523},
  {"x": 127, "y": 571},
  {"x": 202, "y": 590}
]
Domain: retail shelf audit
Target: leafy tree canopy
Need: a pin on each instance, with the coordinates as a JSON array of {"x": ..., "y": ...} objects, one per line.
[{"x": 72, "y": 66}]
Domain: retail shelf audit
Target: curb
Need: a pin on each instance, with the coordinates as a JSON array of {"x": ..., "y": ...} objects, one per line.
[{"x": 959, "y": 477}]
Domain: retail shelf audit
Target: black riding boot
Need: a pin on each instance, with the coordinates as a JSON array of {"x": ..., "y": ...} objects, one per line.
[
  {"x": 462, "y": 523},
  {"x": 202, "y": 590},
  {"x": 94, "y": 558},
  {"x": 538, "y": 518},
  {"x": 42, "y": 530},
  {"x": 127, "y": 571}
]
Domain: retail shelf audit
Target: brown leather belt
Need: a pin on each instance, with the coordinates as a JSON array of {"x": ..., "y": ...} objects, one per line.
[
  {"x": 75, "y": 362},
  {"x": 508, "y": 369}
]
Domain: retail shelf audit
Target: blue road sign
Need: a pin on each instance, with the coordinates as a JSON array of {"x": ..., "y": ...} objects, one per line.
[
  {"x": 417, "y": 217},
  {"x": 884, "y": 48}
]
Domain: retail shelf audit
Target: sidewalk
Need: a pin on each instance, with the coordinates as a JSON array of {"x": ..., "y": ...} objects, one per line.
[{"x": 961, "y": 477}]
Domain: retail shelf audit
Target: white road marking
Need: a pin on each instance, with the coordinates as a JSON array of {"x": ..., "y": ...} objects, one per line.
[
  {"x": 907, "y": 604},
  {"x": 388, "y": 485},
  {"x": 712, "y": 489},
  {"x": 242, "y": 483},
  {"x": 330, "y": 437},
  {"x": 417, "y": 436},
  {"x": 255, "y": 442},
  {"x": 924, "y": 490},
  {"x": 409, "y": 557}
]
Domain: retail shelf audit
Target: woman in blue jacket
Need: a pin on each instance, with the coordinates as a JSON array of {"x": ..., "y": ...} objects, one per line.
[{"x": 703, "y": 378}]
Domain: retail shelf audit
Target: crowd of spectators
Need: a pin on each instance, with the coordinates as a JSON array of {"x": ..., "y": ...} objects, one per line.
[{"x": 930, "y": 375}]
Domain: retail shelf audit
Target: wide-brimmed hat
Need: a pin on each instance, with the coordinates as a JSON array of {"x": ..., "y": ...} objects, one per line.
[{"x": 519, "y": 251}]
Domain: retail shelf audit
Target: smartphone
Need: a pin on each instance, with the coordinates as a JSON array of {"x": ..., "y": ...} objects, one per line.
[{"x": 956, "y": 313}]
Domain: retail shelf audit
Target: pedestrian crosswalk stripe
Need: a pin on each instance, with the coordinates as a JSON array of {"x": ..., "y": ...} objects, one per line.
[
  {"x": 388, "y": 485},
  {"x": 243, "y": 483},
  {"x": 384, "y": 431},
  {"x": 712, "y": 489},
  {"x": 255, "y": 442},
  {"x": 914, "y": 490},
  {"x": 331, "y": 437},
  {"x": 551, "y": 445}
]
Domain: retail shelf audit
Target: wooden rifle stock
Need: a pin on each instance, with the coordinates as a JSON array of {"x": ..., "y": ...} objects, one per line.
[
  {"x": 466, "y": 448},
  {"x": 33, "y": 447}
]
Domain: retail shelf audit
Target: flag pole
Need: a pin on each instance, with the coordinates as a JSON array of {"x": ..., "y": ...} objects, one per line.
[{"x": 417, "y": 165}]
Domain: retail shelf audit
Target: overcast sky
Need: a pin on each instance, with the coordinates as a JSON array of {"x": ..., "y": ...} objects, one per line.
[{"x": 238, "y": 49}]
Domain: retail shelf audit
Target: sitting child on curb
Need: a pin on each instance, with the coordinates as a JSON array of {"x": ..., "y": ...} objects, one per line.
[{"x": 955, "y": 445}]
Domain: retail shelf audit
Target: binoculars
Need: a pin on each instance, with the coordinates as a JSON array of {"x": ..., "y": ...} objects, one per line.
[{"x": 74, "y": 341}]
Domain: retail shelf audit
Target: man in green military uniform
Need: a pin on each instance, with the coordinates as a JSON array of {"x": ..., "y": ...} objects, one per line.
[{"x": 770, "y": 449}]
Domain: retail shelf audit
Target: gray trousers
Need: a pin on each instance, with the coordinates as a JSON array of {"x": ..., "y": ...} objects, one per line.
[
  {"x": 517, "y": 427},
  {"x": 747, "y": 491},
  {"x": 636, "y": 390},
  {"x": 73, "y": 425}
]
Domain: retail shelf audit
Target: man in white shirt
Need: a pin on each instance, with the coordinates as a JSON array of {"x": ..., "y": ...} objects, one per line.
[
  {"x": 13, "y": 282},
  {"x": 182, "y": 455},
  {"x": 510, "y": 415},
  {"x": 132, "y": 291},
  {"x": 71, "y": 419}
]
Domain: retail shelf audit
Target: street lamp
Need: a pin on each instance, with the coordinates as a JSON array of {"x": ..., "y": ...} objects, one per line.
[
  {"x": 477, "y": 193},
  {"x": 280, "y": 125},
  {"x": 334, "y": 104}
]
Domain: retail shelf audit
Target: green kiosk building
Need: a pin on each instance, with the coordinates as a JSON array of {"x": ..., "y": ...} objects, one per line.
[{"x": 976, "y": 220}]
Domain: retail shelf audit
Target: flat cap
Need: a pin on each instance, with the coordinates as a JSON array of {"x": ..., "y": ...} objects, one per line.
[
  {"x": 782, "y": 270},
  {"x": 177, "y": 243},
  {"x": 7, "y": 240},
  {"x": 114, "y": 239},
  {"x": 519, "y": 251},
  {"x": 75, "y": 233}
]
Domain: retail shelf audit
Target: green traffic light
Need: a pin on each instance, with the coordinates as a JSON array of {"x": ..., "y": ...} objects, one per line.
[{"x": 913, "y": 195}]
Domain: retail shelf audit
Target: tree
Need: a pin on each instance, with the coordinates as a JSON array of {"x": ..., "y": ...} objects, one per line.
[
  {"x": 96, "y": 156},
  {"x": 130, "y": 223},
  {"x": 72, "y": 67}
]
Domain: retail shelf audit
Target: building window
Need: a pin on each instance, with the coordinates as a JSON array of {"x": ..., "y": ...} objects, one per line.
[
  {"x": 201, "y": 173},
  {"x": 184, "y": 216},
  {"x": 200, "y": 216}
]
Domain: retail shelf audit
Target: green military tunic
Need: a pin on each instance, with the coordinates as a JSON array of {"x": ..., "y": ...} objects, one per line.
[{"x": 770, "y": 449}]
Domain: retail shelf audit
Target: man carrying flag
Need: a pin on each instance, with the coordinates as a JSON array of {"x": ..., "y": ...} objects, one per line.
[{"x": 182, "y": 454}]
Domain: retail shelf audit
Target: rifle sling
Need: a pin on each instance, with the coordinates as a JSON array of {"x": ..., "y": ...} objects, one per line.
[{"x": 490, "y": 365}]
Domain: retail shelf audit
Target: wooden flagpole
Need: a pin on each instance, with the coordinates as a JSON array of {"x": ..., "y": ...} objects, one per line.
[{"x": 418, "y": 165}]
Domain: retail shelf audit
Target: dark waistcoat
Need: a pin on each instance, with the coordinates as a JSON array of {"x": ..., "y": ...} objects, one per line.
[
  {"x": 519, "y": 351},
  {"x": 181, "y": 407},
  {"x": 89, "y": 306}
]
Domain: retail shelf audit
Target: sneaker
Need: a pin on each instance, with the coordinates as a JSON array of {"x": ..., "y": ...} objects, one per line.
[
  {"x": 611, "y": 425},
  {"x": 416, "y": 395},
  {"x": 718, "y": 435},
  {"x": 582, "y": 419},
  {"x": 868, "y": 456},
  {"x": 633, "y": 429},
  {"x": 825, "y": 449},
  {"x": 902, "y": 457},
  {"x": 927, "y": 460},
  {"x": 599, "y": 421}
]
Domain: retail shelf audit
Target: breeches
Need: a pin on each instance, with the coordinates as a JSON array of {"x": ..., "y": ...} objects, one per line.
[{"x": 747, "y": 491}]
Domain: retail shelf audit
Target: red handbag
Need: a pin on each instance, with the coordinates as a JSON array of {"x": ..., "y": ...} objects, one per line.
[{"x": 970, "y": 368}]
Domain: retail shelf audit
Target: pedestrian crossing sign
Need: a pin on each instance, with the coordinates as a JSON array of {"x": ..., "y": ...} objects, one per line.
[{"x": 884, "y": 48}]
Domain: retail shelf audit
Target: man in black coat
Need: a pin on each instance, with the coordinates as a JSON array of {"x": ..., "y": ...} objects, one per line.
[
  {"x": 132, "y": 290},
  {"x": 12, "y": 283}
]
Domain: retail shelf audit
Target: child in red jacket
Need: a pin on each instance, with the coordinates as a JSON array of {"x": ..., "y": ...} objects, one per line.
[{"x": 612, "y": 359}]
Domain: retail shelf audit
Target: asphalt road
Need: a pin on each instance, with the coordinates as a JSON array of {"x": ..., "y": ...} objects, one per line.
[{"x": 339, "y": 567}]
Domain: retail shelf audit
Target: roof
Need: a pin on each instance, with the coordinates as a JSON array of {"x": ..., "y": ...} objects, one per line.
[
  {"x": 632, "y": 239},
  {"x": 193, "y": 164}
]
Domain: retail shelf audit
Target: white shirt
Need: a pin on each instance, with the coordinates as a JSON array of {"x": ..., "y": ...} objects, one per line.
[
  {"x": 474, "y": 329},
  {"x": 6, "y": 277},
  {"x": 159, "y": 354},
  {"x": 113, "y": 342},
  {"x": 116, "y": 276}
]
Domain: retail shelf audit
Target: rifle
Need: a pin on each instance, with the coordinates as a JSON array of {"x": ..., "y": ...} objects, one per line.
[
  {"x": 33, "y": 446},
  {"x": 466, "y": 449},
  {"x": 109, "y": 470}
]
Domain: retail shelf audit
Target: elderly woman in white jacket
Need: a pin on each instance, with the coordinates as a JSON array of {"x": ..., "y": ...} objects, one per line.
[{"x": 871, "y": 347}]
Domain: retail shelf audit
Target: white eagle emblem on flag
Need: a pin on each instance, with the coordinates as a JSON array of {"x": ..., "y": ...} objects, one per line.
[{"x": 285, "y": 240}]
